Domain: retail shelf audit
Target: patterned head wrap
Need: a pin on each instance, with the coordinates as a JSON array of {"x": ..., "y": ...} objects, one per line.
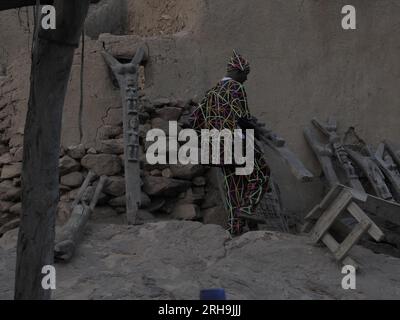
[{"x": 237, "y": 62}]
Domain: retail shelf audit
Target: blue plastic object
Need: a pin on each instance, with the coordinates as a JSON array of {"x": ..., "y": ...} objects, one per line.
[{"x": 212, "y": 294}]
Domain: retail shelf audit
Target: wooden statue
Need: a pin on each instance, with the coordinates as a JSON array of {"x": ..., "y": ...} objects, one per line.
[{"x": 127, "y": 76}]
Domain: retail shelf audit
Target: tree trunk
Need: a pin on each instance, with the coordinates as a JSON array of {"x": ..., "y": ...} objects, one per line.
[{"x": 50, "y": 73}]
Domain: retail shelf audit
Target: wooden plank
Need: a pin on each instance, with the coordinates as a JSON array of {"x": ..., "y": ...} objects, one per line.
[
  {"x": 329, "y": 216},
  {"x": 331, "y": 196},
  {"x": 326, "y": 202},
  {"x": 314, "y": 214},
  {"x": 352, "y": 239},
  {"x": 373, "y": 173},
  {"x": 333, "y": 246},
  {"x": 360, "y": 215},
  {"x": 323, "y": 157},
  {"x": 296, "y": 166}
]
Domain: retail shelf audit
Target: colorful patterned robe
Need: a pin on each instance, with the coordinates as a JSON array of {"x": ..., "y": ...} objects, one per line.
[{"x": 221, "y": 108}]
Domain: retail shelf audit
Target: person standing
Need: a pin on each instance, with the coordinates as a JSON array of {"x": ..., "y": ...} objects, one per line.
[{"x": 225, "y": 107}]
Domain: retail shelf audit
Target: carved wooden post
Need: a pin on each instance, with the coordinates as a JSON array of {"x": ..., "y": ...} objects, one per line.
[{"x": 127, "y": 75}]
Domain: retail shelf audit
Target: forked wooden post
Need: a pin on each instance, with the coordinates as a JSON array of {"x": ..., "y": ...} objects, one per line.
[{"x": 127, "y": 75}]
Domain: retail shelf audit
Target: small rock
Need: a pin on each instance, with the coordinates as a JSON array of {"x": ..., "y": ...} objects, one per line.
[
  {"x": 161, "y": 102},
  {"x": 199, "y": 181},
  {"x": 5, "y": 159},
  {"x": 5, "y": 206},
  {"x": 16, "y": 209},
  {"x": 120, "y": 210},
  {"x": 67, "y": 165},
  {"x": 115, "y": 186},
  {"x": 91, "y": 151},
  {"x": 102, "y": 164},
  {"x": 8, "y": 192},
  {"x": 112, "y": 146},
  {"x": 114, "y": 117},
  {"x": 108, "y": 132},
  {"x": 185, "y": 212},
  {"x": 158, "y": 123},
  {"x": 18, "y": 155},
  {"x": 187, "y": 172},
  {"x": 169, "y": 113},
  {"x": 9, "y": 226},
  {"x": 155, "y": 172},
  {"x": 118, "y": 202},
  {"x": 156, "y": 205},
  {"x": 145, "y": 215},
  {"x": 167, "y": 173},
  {"x": 73, "y": 179},
  {"x": 199, "y": 192},
  {"x": 64, "y": 189},
  {"x": 189, "y": 197},
  {"x": 160, "y": 186},
  {"x": 17, "y": 182},
  {"x": 145, "y": 200},
  {"x": 216, "y": 215},
  {"x": 76, "y": 152},
  {"x": 5, "y": 217},
  {"x": 11, "y": 170}
]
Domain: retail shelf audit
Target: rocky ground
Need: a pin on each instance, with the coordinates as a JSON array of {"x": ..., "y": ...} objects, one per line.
[{"x": 175, "y": 259}]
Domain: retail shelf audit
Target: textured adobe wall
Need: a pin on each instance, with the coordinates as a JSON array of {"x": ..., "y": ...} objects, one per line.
[{"x": 303, "y": 65}]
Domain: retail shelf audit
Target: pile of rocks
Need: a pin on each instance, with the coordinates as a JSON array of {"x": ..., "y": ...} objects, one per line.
[{"x": 168, "y": 191}]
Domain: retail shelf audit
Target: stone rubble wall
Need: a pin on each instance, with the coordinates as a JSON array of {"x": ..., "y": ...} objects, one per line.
[{"x": 168, "y": 191}]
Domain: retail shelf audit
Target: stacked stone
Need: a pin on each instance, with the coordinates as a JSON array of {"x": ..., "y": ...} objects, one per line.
[
  {"x": 168, "y": 191},
  {"x": 184, "y": 192},
  {"x": 10, "y": 163}
]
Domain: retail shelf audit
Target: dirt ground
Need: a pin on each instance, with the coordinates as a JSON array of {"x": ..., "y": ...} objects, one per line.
[{"x": 175, "y": 260}]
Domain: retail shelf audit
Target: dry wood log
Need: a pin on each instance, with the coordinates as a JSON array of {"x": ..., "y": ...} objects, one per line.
[{"x": 71, "y": 234}]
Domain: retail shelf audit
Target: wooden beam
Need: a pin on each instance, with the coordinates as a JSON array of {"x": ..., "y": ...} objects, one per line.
[
  {"x": 50, "y": 74},
  {"x": 13, "y": 4}
]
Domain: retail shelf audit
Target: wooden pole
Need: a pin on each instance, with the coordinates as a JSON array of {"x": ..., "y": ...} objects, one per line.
[{"x": 51, "y": 65}]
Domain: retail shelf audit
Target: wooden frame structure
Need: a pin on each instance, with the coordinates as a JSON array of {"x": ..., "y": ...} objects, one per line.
[{"x": 339, "y": 200}]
